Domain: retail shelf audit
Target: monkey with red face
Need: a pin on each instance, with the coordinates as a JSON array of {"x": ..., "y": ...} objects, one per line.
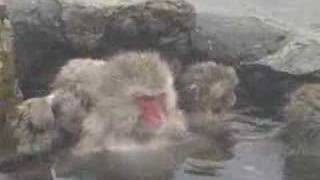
[
  {"x": 129, "y": 97},
  {"x": 133, "y": 99}
]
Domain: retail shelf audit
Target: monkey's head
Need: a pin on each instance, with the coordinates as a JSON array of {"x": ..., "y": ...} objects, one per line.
[{"x": 208, "y": 86}]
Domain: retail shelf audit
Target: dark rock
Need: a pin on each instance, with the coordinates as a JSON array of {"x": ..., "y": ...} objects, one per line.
[
  {"x": 48, "y": 32},
  {"x": 3, "y": 10},
  {"x": 265, "y": 83},
  {"x": 261, "y": 90},
  {"x": 109, "y": 26},
  {"x": 232, "y": 40},
  {"x": 39, "y": 42}
]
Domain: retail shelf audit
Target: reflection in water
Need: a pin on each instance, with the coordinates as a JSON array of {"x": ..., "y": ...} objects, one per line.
[
  {"x": 155, "y": 161},
  {"x": 253, "y": 160}
]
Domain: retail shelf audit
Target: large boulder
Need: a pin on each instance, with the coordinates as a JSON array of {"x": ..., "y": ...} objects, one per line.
[
  {"x": 266, "y": 82},
  {"x": 50, "y": 31},
  {"x": 262, "y": 91},
  {"x": 234, "y": 40},
  {"x": 300, "y": 57}
]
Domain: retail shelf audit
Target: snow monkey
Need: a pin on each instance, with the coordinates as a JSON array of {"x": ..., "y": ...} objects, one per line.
[
  {"x": 127, "y": 97},
  {"x": 208, "y": 87},
  {"x": 132, "y": 97}
]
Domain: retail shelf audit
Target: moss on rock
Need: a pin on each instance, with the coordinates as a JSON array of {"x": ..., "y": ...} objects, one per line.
[{"x": 7, "y": 72}]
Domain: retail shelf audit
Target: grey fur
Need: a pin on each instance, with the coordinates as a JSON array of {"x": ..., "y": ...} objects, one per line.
[
  {"x": 208, "y": 87},
  {"x": 93, "y": 100}
]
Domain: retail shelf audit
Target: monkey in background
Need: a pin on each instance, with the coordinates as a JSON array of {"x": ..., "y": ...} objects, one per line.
[
  {"x": 207, "y": 94},
  {"x": 208, "y": 87},
  {"x": 207, "y": 90},
  {"x": 301, "y": 132}
]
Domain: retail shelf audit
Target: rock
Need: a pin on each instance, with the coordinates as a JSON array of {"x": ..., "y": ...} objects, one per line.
[
  {"x": 233, "y": 40},
  {"x": 3, "y": 10},
  {"x": 202, "y": 167},
  {"x": 262, "y": 91},
  {"x": 299, "y": 57},
  {"x": 7, "y": 70},
  {"x": 265, "y": 83},
  {"x": 48, "y": 32},
  {"x": 123, "y": 24},
  {"x": 302, "y": 114},
  {"x": 39, "y": 41}
]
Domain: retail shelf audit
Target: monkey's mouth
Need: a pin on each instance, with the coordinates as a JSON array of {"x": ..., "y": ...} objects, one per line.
[
  {"x": 152, "y": 112},
  {"x": 153, "y": 120}
]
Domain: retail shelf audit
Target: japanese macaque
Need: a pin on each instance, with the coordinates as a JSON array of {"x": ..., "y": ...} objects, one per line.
[
  {"x": 128, "y": 98},
  {"x": 207, "y": 92},
  {"x": 302, "y": 113},
  {"x": 207, "y": 95},
  {"x": 132, "y": 98},
  {"x": 124, "y": 110},
  {"x": 208, "y": 87}
]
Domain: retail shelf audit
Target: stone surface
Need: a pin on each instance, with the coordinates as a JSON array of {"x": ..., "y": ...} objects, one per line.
[
  {"x": 266, "y": 82},
  {"x": 48, "y": 32},
  {"x": 233, "y": 40},
  {"x": 300, "y": 57},
  {"x": 262, "y": 89}
]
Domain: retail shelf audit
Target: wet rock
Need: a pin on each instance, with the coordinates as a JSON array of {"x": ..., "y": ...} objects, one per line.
[
  {"x": 265, "y": 83},
  {"x": 122, "y": 24},
  {"x": 39, "y": 41},
  {"x": 50, "y": 31},
  {"x": 300, "y": 57},
  {"x": 233, "y": 40},
  {"x": 302, "y": 114},
  {"x": 262, "y": 91},
  {"x": 202, "y": 167}
]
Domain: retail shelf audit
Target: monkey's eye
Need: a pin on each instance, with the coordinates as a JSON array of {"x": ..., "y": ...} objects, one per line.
[{"x": 145, "y": 98}]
